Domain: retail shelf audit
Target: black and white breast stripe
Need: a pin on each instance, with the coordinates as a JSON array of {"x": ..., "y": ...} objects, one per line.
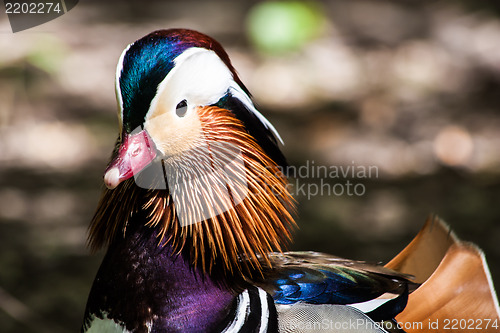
[{"x": 253, "y": 312}]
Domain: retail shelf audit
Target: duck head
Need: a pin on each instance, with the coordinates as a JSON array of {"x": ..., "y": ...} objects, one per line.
[{"x": 164, "y": 83}]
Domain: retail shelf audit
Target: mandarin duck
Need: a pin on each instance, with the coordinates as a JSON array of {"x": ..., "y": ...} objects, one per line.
[{"x": 196, "y": 216}]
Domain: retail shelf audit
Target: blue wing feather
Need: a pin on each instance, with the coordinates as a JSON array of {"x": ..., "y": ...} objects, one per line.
[{"x": 306, "y": 279}]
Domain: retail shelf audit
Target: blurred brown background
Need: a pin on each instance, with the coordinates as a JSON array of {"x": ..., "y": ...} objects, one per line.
[{"x": 410, "y": 87}]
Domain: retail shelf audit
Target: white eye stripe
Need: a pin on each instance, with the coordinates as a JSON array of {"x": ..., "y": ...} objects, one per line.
[
  {"x": 204, "y": 78},
  {"x": 197, "y": 66},
  {"x": 200, "y": 77},
  {"x": 119, "y": 68}
]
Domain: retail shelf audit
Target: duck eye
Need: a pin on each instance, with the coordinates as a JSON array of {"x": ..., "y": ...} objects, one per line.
[{"x": 181, "y": 108}]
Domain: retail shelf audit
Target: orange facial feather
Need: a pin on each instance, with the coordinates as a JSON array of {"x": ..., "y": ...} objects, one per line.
[{"x": 241, "y": 228}]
